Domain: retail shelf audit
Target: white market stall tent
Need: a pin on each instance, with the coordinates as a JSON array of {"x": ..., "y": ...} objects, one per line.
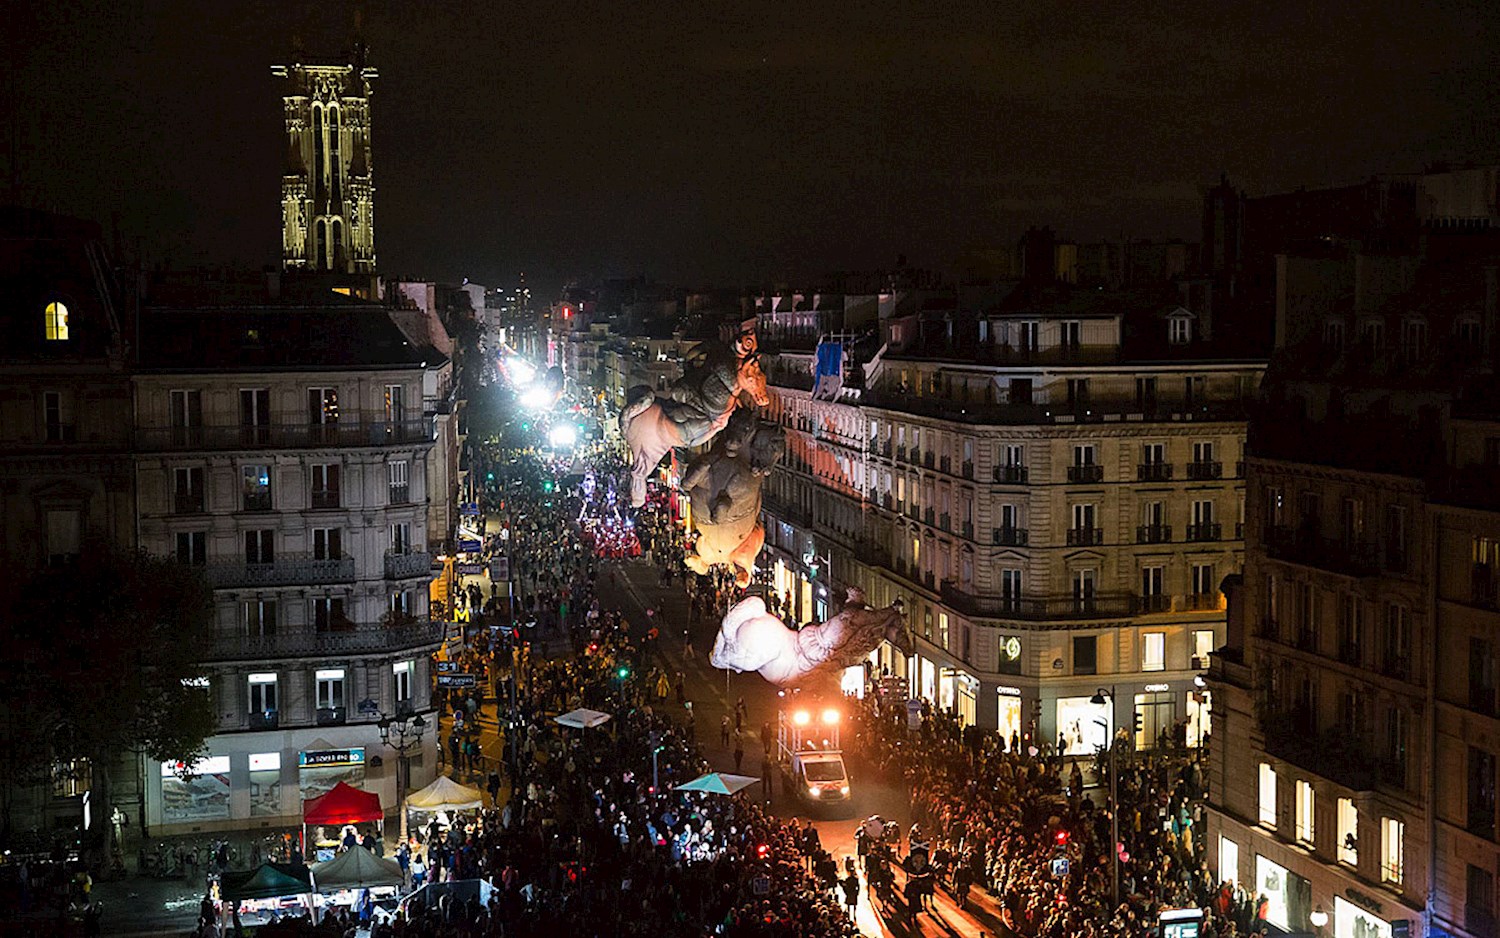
[
  {"x": 356, "y": 868},
  {"x": 444, "y": 794}
]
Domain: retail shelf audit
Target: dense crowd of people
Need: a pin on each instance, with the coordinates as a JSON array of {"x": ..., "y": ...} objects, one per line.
[
  {"x": 593, "y": 839},
  {"x": 1019, "y": 824}
]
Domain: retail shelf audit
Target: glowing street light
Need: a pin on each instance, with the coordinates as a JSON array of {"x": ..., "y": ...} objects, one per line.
[{"x": 563, "y": 436}]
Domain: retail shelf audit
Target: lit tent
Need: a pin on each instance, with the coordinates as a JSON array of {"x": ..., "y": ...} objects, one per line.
[
  {"x": 267, "y": 881},
  {"x": 444, "y": 794},
  {"x": 356, "y": 869}
]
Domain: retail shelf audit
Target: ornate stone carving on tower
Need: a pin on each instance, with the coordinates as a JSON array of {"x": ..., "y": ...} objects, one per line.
[{"x": 327, "y": 194}]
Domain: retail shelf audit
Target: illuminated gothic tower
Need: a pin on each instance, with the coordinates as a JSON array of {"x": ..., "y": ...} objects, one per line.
[{"x": 327, "y": 196}]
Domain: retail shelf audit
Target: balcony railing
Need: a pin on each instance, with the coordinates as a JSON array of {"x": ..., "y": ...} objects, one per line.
[
  {"x": 1154, "y": 472},
  {"x": 1011, "y": 475},
  {"x": 264, "y": 719},
  {"x": 285, "y": 570},
  {"x": 1145, "y": 605},
  {"x": 324, "y": 498},
  {"x": 1205, "y": 470},
  {"x": 1090, "y": 473},
  {"x": 187, "y": 503},
  {"x": 1305, "y": 547},
  {"x": 332, "y": 716},
  {"x": 1203, "y": 602},
  {"x": 967, "y": 469},
  {"x": 1085, "y": 537},
  {"x": 1038, "y": 610},
  {"x": 929, "y": 516},
  {"x": 400, "y": 494},
  {"x": 1205, "y": 531},
  {"x": 901, "y": 453},
  {"x": 1011, "y": 537},
  {"x": 305, "y": 642},
  {"x": 400, "y": 566},
  {"x": 927, "y": 459},
  {"x": 345, "y": 432},
  {"x": 945, "y": 521},
  {"x": 1153, "y": 534},
  {"x": 968, "y": 530}
]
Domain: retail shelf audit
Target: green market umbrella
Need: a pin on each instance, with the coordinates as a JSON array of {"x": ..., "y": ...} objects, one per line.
[{"x": 719, "y": 783}]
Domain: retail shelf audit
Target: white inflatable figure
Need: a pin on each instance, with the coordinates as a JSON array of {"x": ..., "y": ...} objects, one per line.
[{"x": 751, "y": 639}]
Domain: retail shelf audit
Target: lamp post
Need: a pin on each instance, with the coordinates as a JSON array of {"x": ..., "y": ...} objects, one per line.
[
  {"x": 1318, "y": 918},
  {"x": 402, "y": 734},
  {"x": 1099, "y": 698}
]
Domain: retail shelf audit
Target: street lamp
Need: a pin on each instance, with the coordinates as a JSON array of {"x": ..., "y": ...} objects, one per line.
[
  {"x": 1318, "y": 918},
  {"x": 1098, "y": 700},
  {"x": 403, "y": 735}
]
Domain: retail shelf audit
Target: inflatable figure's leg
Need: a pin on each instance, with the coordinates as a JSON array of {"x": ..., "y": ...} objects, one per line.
[{"x": 744, "y": 556}]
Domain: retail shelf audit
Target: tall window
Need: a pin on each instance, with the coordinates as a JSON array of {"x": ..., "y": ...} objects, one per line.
[
  {"x": 401, "y": 677},
  {"x": 1072, "y": 334},
  {"x": 1145, "y": 394},
  {"x": 55, "y": 320},
  {"x": 1084, "y": 454},
  {"x": 1152, "y": 579},
  {"x": 1397, "y": 643},
  {"x": 1154, "y": 651},
  {"x": 255, "y": 416},
  {"x": 330, "y": 688},
  {"x": 1480, "y": 818},
  {"x": 1348, "y": 845},
  {"x": 1015, "y": 455},
  {"x": 53, "y": 428},
  {"x": 401, "y": 537},
  {"x": 192, "y": 547},
  {"x": 1085, "y": 654},
  {"x": 400, "y": 487},
  {"x": 1179, "y": 330},
  {"x": 256, "y": 487},
  {"x": 186, "y": 414},
  {"x": 263, "y": 693},
  {"x": 1078, "y": 393},
  {"x": 1267, "y": 814},
  {"x": 1305, "y": 806},
  {"x": 325, "y": 485},
  {"x": 1392, "y": 850},
  {"x": 187, "y": 490},
  {"x": 258, "y": 617},
  {"x": 1205, "y": 582},
  {"x": 1153, "y": 454},
  {"x": 328, "y": 543},
  {"x": 328, "y": 614},
  {"x": 1083, "y": 517},
  {"x": 1010, "y": 585},
  {"x": 260, "y": 546},
  {"x": 323, "y": 411},
  {"x": 395, "y": 404},
  {"x": 64, "y": 536},
  {"x": 1083, "y": 584},
  {"x": 1029, "y": 333}
]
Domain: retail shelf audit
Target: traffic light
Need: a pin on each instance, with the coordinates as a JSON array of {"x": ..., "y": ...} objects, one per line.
[
  {"x": 623, "y": 672},
  {"x": 762, "y": 851},
  {"x": 1060, "y": 838},
  {"x": 1139, "y": 721}
]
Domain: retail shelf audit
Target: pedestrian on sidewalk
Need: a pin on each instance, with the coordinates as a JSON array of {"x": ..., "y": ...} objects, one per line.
[
  {"x": 724, "y": 731},
  {"x": 851, "y": 893},
  {"x": 740, "y": 710},
  {"x": 687, "y": 646},
  {"x": 739, "y": 753}
]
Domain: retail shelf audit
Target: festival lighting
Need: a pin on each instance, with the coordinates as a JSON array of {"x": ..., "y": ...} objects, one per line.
[
  {"x": 830, "y": 717},
  {"x": 536, "y": 398},
  {"x": 563, "y": 436},
  {"x": 802, "y": 718}
]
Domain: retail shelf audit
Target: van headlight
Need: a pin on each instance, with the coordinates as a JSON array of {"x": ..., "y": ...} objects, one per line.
[
  {"x": 814, "y": 790},
  {"x": 844, "y": 791}
]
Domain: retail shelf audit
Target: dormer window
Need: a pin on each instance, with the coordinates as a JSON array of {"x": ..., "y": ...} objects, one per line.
[
  {"x": 1333, "y": 335},
  {"x": 1179, "y": 330},
  {"x": 56, "y": 318}
]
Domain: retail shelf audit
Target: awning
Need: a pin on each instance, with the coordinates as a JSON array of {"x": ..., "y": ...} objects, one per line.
[
  {"x": 356, "y": 868},
  {"x": 345, "y": 804},
  {"x": 719, "y": 783},
  {"x": 445, "y": 794},
  {"x": 267, "y": 881},
  {"x": 583, "y": 718}
]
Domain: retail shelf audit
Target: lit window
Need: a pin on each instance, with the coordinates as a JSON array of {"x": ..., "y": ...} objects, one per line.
[
  {"x": 330, "y": 688},
  {"x": 1305, "y": 800},
  {"x": 71, "y": 778},
  {"x": 1267, "y": 795},
  {"x": 1181, "y": 330},
  {"x": 56, "y": 317},
  {"x": 1348, "y": 832},
  {"x": 401, "y": 672},
  {"x": 1154, "y": 651},
  {"x": 1392, "y": 850}
]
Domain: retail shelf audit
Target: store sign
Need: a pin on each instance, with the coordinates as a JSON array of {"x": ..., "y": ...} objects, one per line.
[
  {"x": 457, "y": 680},
  {"x": 1351, "y": 921},
  {"x": 468, "y": 508},
  {"x": 447, "y": 667},
  {"x": 1157, "y": 688},
  {"x": 1006, "y": 691},
  {"x": 470, "y": 569},
  {"x": 319, "y": 758},
  {"x": 500, "y": 569},
  {"x": 1011, "y": 648}
]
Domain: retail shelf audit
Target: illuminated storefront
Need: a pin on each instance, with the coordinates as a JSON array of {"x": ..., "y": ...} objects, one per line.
[
  {"x": 197, "y": 794},
  {"x": 1288, "y": 896},
  {"x": 1079, "y": 724},
  {"x": 1008, "y": 719},
  {"x": 968, "y": 703},
  {"x": 1351, "y": 921},
  {"x": 319, "y": 770}
]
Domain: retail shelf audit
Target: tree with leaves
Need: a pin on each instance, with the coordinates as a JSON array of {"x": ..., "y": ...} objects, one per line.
[{"x": 110, "y": 649}]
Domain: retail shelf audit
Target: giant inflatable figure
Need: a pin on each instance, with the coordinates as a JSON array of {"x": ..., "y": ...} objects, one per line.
[
  {"x": 751, "y": 639},
  {"x": 689, "y": 413},
  {"x": 724, "y": 485}
]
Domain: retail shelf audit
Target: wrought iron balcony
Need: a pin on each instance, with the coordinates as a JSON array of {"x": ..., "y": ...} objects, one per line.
[
  {"x": 1205, "y": 531},
  {"x": 967, "y": 470},
  {"x": 1205, "y": 470},
  {"x": 1304, "y": 546},
  {"x": 324, "y": 498},
  {"x": 1153, "y": 534},
  {"x": 1154, "y": 472},
  {"x": 1058, "y": 608},
  {"x": 901, "y": 453},
  {"x": 1088, "y": 473},
  {"x": 1085, "y": 537},
  {"x": 304, "y": 642},
  {"x": 285, "y": 570},
  {"x": 1145, "y": 605},
  {"x": 400, "y": 494},
  {"x": 264, "y": 719},
  {"x": 187, "y": 503},
  {"x": 345, "y": 432},
  {"x": 945, "y": 464},
  {"x": 927, "y": 459},
  {"x": 968, "y": 530},
  {"x": 1011, "y": 475},
  {"x": 400, "y": 566},
  {"x": 332, "y": 716},
  {"x": 1011, "y": 537}
]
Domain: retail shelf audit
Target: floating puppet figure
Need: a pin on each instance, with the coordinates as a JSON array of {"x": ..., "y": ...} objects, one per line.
[
  {"x": 724, "y": 485},
  {"x": 689, "y": 413},
  {"x": 751, "y": 639}
]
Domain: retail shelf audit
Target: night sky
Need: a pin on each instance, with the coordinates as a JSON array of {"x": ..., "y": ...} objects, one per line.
[{"x": 729, "y": 143}]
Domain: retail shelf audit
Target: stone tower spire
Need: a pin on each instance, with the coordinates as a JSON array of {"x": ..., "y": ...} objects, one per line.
[{"x": 327, "y": 192}]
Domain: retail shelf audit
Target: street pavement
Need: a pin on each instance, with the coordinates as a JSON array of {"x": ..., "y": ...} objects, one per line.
[{"x": 713, "y": 696}]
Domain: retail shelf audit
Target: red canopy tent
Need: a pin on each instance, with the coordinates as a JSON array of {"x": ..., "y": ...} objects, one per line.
[{"x": 344, "y": 804}]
